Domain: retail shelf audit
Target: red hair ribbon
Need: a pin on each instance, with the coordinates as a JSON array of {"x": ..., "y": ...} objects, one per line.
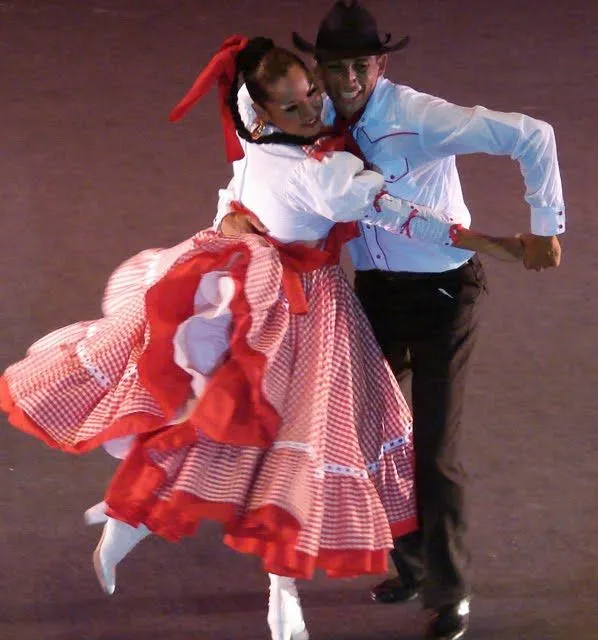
[{"x": 221, "y": 70}]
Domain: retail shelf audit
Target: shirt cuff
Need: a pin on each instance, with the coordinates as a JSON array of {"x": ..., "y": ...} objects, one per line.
[{"x": 547, "y": 221}]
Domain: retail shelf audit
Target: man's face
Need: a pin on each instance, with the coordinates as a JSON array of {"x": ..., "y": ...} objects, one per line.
[{"x": 349, "y": 82}]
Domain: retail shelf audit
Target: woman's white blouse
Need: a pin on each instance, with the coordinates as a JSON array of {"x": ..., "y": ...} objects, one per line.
[{"x": 298, "y": 197}]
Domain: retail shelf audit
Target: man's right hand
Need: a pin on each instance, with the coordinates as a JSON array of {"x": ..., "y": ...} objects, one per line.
[
  {"x": 237, "y": 223},
  {"x": 541, "y": 252}
]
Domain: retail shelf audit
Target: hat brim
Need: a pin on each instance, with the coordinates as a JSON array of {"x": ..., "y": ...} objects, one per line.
[{"x": 338, "y": 54}]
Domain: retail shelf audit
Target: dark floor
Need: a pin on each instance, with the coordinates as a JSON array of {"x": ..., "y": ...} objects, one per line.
[{"x": 91, "y": 172}]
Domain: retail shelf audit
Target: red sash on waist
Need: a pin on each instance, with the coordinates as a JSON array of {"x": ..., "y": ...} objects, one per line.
[{"x": 298, "y": 257}]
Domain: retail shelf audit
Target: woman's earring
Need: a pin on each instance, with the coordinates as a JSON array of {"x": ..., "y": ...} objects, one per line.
[{"x": 258, "y": 129}]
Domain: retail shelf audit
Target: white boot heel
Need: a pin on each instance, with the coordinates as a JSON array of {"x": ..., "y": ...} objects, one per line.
[
  {"x": 285, "y": 616},
  {"x": 117, "y": 540},
  {"x": 96, "y": 514}
]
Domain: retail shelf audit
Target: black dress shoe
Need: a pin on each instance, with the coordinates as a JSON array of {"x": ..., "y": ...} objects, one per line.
[
  {"x": 450, "y": 623},
  {"x": 393, "y": 590}
]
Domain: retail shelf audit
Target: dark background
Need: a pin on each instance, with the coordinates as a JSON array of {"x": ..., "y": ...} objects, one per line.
[{"x": 91, "y": 172}]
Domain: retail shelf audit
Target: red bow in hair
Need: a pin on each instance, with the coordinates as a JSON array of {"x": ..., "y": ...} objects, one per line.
[{"x": 221, "y": 69}]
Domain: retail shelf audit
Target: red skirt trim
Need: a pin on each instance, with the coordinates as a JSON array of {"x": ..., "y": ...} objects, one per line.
[
  {"x": 131, "y": 424},
  {"x": 269, "y": 532},
  {"x": 232, "y": 408}
]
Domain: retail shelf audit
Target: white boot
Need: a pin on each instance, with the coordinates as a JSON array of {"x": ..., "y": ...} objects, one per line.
[
  {"x": 285, "y": 617},
  {"x": 118, "y": 538},
  {"x": 96, "y": 514}
]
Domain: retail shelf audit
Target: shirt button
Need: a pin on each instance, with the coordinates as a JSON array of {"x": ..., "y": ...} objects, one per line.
[
  {"x": 560, "y": 226},
  {"x": 392, "y": 177},
  {"x": 378, "y": 257}
]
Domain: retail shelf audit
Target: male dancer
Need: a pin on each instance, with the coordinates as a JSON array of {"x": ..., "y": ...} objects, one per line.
[{"x": 423, "y": 300}]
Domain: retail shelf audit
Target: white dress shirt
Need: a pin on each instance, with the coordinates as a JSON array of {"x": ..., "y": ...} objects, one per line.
[{"x": 413, "y": 138}]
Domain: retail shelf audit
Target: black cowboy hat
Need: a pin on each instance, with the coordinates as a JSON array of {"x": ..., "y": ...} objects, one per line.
[{"x": 348, "y": 31}]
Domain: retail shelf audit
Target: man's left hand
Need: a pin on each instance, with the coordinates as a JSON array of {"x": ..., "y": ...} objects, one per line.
[{"x": 540, "y": 252}]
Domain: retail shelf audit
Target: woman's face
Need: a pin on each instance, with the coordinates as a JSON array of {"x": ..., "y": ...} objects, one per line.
[{"x": 294, "y": 104}]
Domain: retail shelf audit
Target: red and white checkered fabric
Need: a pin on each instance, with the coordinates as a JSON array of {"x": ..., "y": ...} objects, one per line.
[
  {"x": 79, "y": 384},
  {"x": 329, "y": 488}
]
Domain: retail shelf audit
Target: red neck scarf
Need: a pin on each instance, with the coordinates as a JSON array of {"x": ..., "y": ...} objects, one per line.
[
  {"x": 338, "y": 138},
  {"x": 343, "y": 127}
]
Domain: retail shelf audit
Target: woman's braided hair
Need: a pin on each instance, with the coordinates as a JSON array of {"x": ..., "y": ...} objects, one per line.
[{"x": 261, "y": 63}]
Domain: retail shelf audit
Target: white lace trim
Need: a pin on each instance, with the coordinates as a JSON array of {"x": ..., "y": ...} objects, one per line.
[
  {"x": 130, "y": 372},
  {"x": 385, "y": 449},
  {"x": 150, "y": 274},
  {"x": 341, "y": 469},
  {"x": 91, "y": 330},
  {"x": 297, "y": 446},
  {"x": 95, "y": 372}
]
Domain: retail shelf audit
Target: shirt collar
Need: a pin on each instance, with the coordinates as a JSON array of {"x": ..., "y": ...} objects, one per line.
[{"x": 374, "y": 100}]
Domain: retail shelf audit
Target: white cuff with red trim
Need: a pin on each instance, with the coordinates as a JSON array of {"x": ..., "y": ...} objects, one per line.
[{"x": 412, "y": 221}]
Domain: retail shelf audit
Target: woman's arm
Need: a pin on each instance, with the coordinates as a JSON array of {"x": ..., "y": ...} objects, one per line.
[{"x": 338, "y": 188}]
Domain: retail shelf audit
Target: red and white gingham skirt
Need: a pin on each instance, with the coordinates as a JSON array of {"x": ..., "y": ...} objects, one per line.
[{"x": 298, "y": 440}]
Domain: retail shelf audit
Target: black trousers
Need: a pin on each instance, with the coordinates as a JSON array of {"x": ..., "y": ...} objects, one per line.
[{"x": 426, "y": 324}]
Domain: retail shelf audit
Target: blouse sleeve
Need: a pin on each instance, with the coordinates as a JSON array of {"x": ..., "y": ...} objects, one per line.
[{"x": 336, "y": 187}]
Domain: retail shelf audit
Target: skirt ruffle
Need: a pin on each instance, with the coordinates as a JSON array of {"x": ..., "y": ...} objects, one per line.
[{"x": 289, "y": 429}]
